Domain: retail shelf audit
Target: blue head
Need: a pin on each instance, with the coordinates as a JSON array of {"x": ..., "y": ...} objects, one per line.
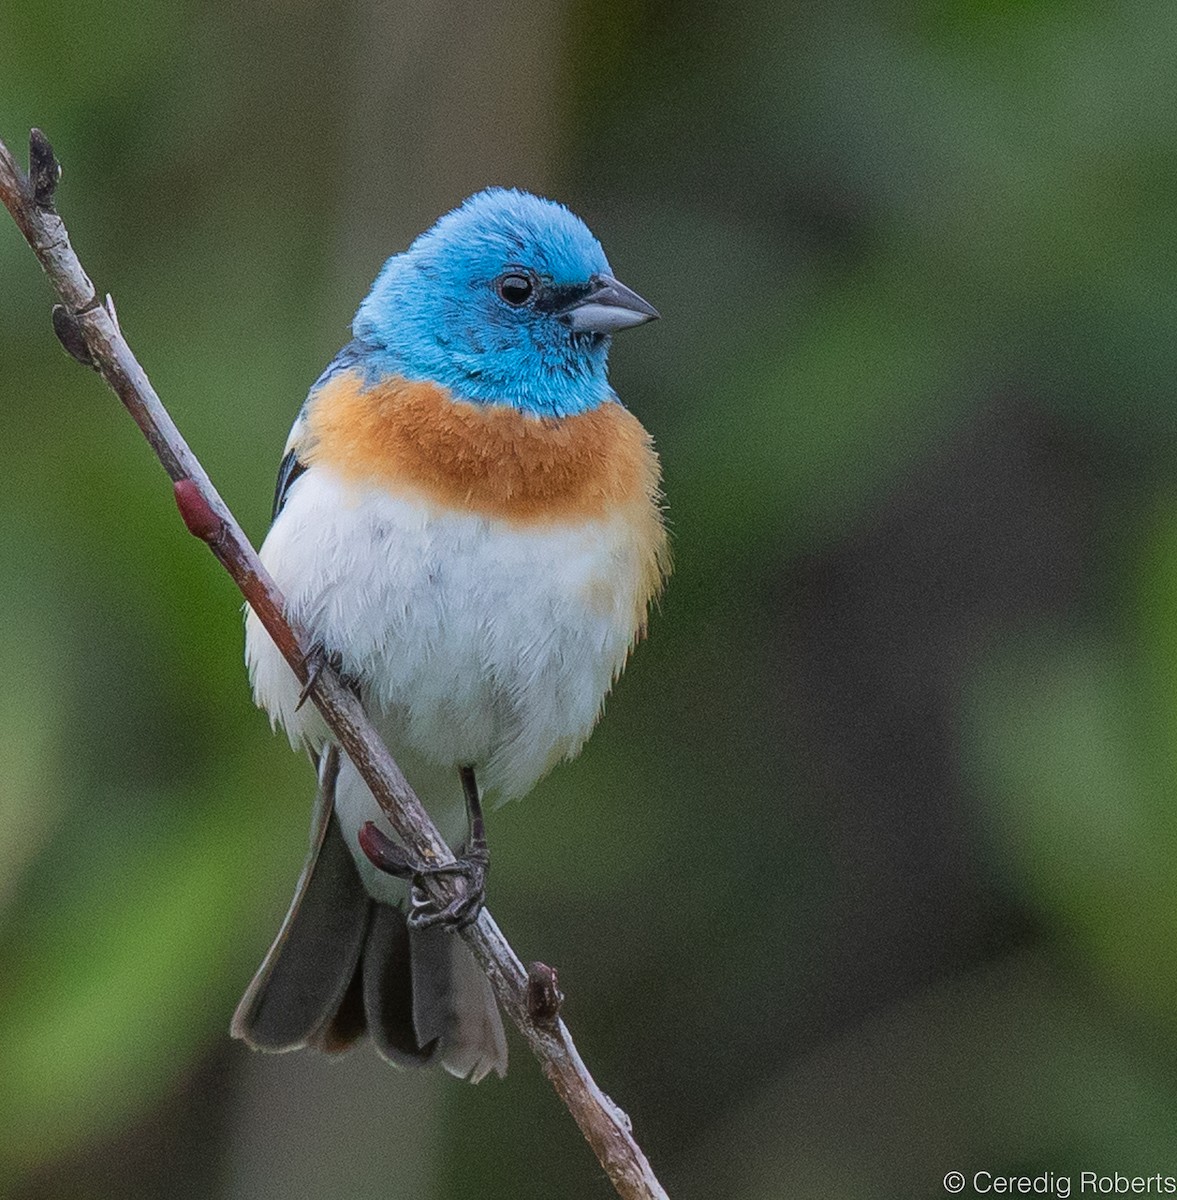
[{"x": 506, "y": 300}]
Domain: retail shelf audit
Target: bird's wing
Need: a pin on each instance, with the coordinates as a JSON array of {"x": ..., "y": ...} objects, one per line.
[{"x": 292, "y": 465}]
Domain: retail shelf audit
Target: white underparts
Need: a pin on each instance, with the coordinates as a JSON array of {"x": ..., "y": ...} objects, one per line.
[{"x": 475, "y": 641}]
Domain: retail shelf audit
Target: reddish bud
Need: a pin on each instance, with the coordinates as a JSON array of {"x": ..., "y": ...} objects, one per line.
[
  {"x": 383, "y": 852},
  {"x": 198, "y": 514}
]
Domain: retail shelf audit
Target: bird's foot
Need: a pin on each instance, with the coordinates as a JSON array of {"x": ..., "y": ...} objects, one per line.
[
  {"x": 316, "y": 661},
  {"x": 317, "y": 658},
  {"x": 469, "y": 869}
]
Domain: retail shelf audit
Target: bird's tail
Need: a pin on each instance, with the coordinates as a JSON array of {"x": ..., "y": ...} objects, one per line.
[{"x": 344, "y": 965}]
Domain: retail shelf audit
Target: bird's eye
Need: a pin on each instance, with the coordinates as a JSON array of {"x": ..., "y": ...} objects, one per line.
[{"x": 516, "y": 289}]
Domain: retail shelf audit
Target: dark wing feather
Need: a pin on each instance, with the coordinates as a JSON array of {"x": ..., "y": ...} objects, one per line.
[
  {"x": 348, "y": 359},
  {"x": 288, "y": 472}
]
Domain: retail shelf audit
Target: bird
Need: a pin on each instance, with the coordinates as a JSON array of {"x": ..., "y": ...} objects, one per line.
[{"x": 469, "y": 525}]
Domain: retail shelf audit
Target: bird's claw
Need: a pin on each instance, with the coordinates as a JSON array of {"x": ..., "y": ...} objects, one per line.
[
  {"x": 470, "y": 868},
  {"x": 317, "y": 659},
  {"x": 314, "y": 662}
]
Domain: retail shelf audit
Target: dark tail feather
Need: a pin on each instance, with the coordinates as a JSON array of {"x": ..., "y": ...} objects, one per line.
[
  {"x": 453, "y": 1002},
  {"x": 388, "y": 991},
  {"x": 304, "y": 981},
  {"x": 425, "y": 998},
  {"x": 348, "y": 1025},
  {"x": 343, "y": 964}
]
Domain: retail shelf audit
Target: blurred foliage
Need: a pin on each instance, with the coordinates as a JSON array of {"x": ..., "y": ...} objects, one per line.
[{"x": 867, "y": 873}]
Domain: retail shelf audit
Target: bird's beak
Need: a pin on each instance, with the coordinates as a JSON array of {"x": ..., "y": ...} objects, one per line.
[{"x": 607, "y": 307}]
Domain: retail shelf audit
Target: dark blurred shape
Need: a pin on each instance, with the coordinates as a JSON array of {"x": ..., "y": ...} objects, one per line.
[
  {"x": 166, "y": 1156},
  {"x": 878, "y": 638}
]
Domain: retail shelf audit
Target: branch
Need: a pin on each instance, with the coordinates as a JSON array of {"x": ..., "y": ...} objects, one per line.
[{"x": 88, "y": 328}]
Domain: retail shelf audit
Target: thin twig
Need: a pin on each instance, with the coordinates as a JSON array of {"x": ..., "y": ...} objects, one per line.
[{"x": 88, "y": 328}]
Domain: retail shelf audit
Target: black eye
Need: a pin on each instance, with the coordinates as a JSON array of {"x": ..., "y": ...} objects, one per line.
[{"x": 515, "y": 288}]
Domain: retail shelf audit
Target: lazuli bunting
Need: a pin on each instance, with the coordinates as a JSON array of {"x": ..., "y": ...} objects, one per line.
[{"x": 468, "y": 524}]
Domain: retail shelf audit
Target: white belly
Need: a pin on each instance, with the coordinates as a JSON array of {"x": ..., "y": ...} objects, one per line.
[{"x": 475, "y": 641}]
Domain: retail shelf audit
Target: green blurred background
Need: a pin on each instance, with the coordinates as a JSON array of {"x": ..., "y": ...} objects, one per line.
[{"x": 871, "y": 871}]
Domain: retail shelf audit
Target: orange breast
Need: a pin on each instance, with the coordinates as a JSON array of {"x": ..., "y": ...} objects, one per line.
[{"x": 413, "y": 439}]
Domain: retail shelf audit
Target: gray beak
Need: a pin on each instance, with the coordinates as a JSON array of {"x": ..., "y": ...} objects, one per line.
[{"x": 607, "y": 307}]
